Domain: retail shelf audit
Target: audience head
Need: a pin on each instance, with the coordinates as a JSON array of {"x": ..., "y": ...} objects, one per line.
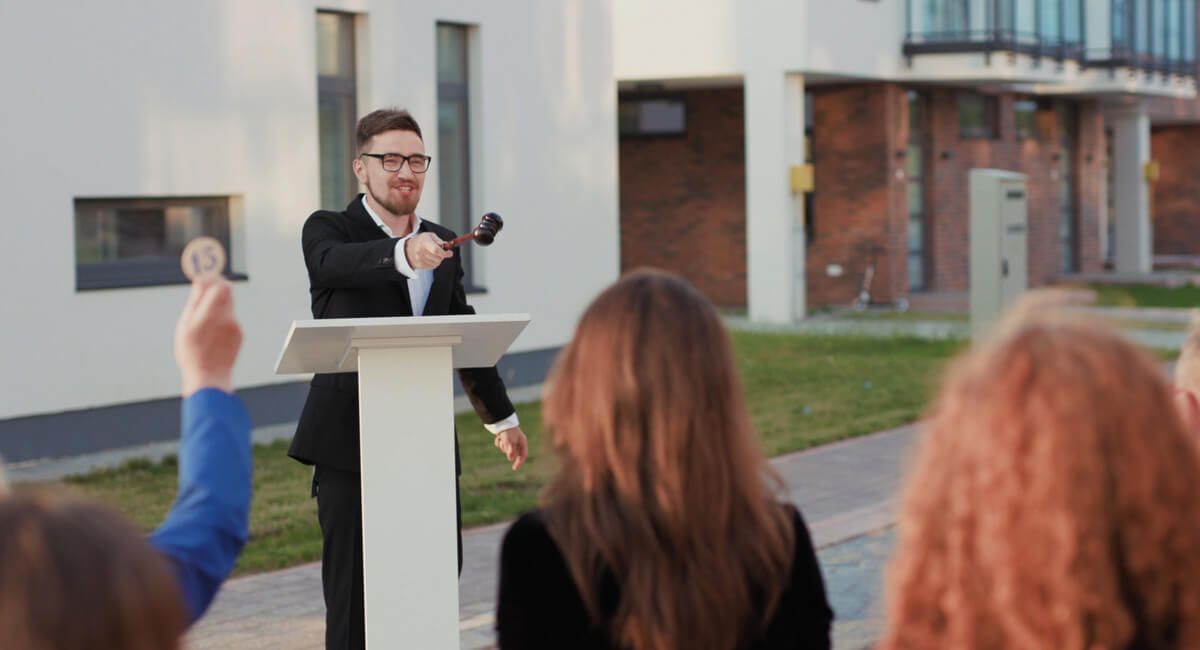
[
  {"x": 662, "y": 480},
  {"x": 75, "y": 575},
  {"x": 1053, "y": 503}
]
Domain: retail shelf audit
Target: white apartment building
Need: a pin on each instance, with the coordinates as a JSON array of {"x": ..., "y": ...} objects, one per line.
[{"x": 131, "y": 127}]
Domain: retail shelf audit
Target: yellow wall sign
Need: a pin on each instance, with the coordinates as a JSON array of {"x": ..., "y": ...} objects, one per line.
[
  {"x": 801, "y": 178},
  {"x": 1150, "y": 171}
]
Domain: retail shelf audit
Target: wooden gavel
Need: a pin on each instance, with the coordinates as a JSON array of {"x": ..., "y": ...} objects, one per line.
[{"x": 484, "y": 233}]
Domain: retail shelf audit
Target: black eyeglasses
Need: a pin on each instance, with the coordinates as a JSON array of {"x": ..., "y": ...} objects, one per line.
[{"x": 392, "y": 162}]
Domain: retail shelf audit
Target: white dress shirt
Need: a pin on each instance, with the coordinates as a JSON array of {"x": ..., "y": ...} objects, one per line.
[{"x": 419, "y": 283}]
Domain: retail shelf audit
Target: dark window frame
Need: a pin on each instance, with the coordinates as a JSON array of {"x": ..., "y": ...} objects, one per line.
[
  {"x": 155, "y": 271},
  {"x": 990, "y": 130},
  {"x": 1032, "y": 133},
  {"x": 638, "y": 97},
  {"x": 921, "y": 140},
  {"x": 343, "y": 88},
  {"x": 459, "y": 93}
]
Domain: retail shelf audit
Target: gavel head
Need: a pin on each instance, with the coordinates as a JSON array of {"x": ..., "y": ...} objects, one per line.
[{"x": 489, "y": 225}]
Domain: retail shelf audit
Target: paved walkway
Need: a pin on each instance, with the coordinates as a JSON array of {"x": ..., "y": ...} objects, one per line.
[{"x": 845, "y": 491}]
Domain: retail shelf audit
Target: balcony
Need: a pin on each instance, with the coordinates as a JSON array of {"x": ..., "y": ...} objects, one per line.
[
  {"x": 1155, "y": 36},
  {"x": 1038, "y": 28}
]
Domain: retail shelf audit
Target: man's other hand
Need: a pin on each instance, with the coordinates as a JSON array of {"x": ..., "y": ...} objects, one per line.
[{"x": 514, "y": 445}]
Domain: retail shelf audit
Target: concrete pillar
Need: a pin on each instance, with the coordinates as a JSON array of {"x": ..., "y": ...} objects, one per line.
[
  {"x": 774, "y": 215},
  {"x": 1133, "y": 238}
]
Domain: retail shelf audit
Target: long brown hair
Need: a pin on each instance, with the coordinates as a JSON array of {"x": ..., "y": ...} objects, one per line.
[
  {"x": 75, "y": 575},
  {"x": 1054, "y": 502},
  {"x": 662, "y": 481}
]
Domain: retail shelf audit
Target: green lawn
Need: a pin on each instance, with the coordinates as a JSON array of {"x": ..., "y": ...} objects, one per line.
[
  {"x": 802, "y": 390},
  {"x": 1142, "y": 295},
  {"x": 907, "y": 316}
]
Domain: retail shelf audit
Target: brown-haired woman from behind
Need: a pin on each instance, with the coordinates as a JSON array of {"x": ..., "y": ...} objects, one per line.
[
  {"x": 662, "y": 528},
  {"x": 1054, "y": 503},
  {"x": 75, "y": 575}
]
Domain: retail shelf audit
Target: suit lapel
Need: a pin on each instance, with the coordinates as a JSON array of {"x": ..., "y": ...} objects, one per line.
[{"x": 363, "y": 228}]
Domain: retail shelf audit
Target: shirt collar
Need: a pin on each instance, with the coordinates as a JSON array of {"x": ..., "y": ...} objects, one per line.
[{"x": 379, "y": 222}]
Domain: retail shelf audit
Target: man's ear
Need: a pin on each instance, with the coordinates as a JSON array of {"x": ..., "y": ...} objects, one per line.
[{"x": 360, "y": 172}]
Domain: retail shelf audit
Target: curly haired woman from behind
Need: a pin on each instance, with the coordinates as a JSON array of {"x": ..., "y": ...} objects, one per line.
[{"x": 1054, "y": 503}]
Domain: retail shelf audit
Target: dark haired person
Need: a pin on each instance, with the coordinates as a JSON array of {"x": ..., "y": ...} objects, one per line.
[
  {"x": 77, "y": 575},
  {"x": 378, "y": 258},
  {"x": 662, "y": 528}
]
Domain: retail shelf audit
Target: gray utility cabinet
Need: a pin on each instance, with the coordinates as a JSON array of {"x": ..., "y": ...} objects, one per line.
[{"x": 999, "y": 241}]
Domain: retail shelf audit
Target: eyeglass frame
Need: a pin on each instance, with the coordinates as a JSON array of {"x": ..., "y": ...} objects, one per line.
[{"x": 403, "y": 159}]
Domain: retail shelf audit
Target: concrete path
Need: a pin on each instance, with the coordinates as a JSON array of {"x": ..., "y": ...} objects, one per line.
[{"x": 845, "y": 491}]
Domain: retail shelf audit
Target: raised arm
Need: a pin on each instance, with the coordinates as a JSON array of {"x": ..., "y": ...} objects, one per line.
[{"x": 208, "y": 524}]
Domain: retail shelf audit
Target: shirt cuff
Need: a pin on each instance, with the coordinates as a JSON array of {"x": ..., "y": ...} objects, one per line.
[
  {"x": 402, "y": 264},
  {"x": 503, "y": 425}
]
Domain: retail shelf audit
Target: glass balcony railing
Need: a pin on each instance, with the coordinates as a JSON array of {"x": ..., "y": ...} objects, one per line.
[
  {"x": 1051, "y": 28},
  {"x": 1153, "y": 35}
]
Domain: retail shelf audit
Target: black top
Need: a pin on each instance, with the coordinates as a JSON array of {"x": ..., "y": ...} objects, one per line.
[
  {"x": 540, "y": 607},
  {"x": 352, "y": 274}
]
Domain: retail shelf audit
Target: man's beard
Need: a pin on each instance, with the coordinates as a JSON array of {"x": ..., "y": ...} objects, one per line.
[{"x": 398, "y": 207}]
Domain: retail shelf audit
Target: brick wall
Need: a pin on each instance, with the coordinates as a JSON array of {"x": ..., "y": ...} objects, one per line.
[
  {"x": 683, "y": 199},
  {"x": 1176, "y": 206},
  {"x": 953, "y": 157},
  {"x": 858, "y": 203}
]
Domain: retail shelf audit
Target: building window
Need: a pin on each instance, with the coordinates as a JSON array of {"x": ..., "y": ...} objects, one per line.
[
  {"x": 652, "y": 116},
  {"x": 336, "y": 110},
  {"x": 915, "y": 159},
  {"x": 1068, "y": 229},
  {"x": 1107, "y": 248},
  {"x": 136, "y": 242},
  {"x": 454, "y": 137},
  {"x": 940, "y": 20},
  {"x": 977, "y": 115},
  {"x": 1025, "y": 114}
]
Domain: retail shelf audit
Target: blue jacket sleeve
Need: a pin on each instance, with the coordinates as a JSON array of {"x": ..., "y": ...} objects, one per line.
[{"x": 208, "y": 525}]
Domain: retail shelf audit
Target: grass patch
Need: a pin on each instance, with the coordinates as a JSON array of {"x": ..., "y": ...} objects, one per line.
[
  {"x": 907, "y": 316},
  {"x": 1164, "y": 355},
  {"x": 1144, "y": 295},
  {"x": 1141, "y": 324},
  {"x": 802, "y": 391}
]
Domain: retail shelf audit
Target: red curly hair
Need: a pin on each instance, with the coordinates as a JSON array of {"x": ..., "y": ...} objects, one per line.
[{"x": 1054, "y": 503}]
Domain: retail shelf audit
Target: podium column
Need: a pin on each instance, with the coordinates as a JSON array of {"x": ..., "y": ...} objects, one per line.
[{"x": 410, "y": 560}]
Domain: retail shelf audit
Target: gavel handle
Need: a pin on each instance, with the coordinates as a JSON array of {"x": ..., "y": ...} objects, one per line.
[{"x": 461, "y": 239}]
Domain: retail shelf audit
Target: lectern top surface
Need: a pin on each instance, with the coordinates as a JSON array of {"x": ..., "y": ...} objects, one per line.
[{"x": 330, "y": 344}]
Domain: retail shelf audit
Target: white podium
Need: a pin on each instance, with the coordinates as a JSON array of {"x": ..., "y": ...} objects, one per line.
[{"x": 406, "y": 424}]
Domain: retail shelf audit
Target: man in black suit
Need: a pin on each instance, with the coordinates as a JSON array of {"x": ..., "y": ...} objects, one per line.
[{"x": 378, "y": 258}]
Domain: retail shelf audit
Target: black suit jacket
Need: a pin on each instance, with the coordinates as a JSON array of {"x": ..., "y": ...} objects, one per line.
[{"x": 352, "y": 274}]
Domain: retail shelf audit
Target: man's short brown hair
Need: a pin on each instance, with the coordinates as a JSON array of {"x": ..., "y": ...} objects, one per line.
[{"x": 385, "y": 119}]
